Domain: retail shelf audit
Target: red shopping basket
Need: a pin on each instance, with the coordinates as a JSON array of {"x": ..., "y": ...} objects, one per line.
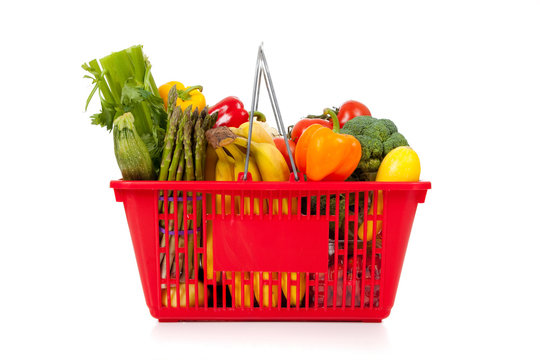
[{"x": 248, "y": 250}]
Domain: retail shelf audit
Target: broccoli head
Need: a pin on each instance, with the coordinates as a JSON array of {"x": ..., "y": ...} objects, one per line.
[{"x": 377, "y": 137}]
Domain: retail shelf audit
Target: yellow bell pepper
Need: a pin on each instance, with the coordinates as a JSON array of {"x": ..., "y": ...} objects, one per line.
[{"x": 186, "y": 96}]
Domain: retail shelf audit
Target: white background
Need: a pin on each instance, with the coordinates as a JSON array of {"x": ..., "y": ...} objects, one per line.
[{"x": 461, "y": 79}]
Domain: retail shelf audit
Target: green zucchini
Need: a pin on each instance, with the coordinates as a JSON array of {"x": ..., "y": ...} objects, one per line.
[{"x": 131, "y": 153}]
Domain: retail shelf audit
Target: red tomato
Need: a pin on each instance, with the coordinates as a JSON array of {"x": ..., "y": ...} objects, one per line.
[
  {"x": 303, "y": 124},
  {"x": 280, "y": 144},
  {"x": 351, "y": 109}
]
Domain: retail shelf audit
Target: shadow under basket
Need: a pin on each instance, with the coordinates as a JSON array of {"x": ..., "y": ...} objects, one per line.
[{"x": 244, "y": 250}]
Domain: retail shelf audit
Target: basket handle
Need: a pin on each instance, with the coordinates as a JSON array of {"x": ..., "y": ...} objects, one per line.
[{"x": 261, "y": 69}]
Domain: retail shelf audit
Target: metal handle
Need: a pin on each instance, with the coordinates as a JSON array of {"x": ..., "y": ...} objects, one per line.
[{"x": 261, "y": 68}]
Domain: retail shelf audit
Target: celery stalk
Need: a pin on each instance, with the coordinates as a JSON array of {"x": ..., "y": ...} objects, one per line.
[{"x": 125, "y": 84}]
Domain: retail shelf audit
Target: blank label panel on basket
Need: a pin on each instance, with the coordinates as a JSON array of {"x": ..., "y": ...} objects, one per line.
[{"x": 232, "y": 219}]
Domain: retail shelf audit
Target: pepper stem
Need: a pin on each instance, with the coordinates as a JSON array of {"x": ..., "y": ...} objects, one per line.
[
  {"x": 184, "y": 94},
  {"x": 259, "y": 115},
  {"x": 335, "y": 120}
]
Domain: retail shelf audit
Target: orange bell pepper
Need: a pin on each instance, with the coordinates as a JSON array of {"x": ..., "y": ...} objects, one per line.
[{"x": 325, "y": 154}]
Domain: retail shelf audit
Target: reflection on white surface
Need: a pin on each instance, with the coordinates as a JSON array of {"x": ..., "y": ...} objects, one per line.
[{"x": 309, "y": 335}]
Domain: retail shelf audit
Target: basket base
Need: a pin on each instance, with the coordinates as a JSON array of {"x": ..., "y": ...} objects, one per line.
[{"x": 267, "y": 315}]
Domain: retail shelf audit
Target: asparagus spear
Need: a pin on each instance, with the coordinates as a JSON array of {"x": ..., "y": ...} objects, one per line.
[
  {"x": 178, "y": 161},
  {"x": 182, "y": 159},
  {"x": 188, "y": 152},
  {"x": 178, "y": 150},
  {"x": 199, "y": 136},
  {"x": 172, "y": 124},
  {"x": 171, "y": 101},
  {"x": 169, "y": 144},
  {"x": 189, "y": 175},
  {"x": 204, "y": 113},
  {"x": 178, "y": 157},
  {"x": 200, "y": 151}
]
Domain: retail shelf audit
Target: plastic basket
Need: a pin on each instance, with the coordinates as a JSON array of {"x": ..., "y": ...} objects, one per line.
[{"x": 296, "y": 253}]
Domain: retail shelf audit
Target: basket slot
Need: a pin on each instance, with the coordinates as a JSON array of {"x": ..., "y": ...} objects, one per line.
[
  {"x": 198, "y": 224},
  {"x": 175, "y": 238},
  {"x": 185, "y": 237},
  {"x": 345, "y": 249},
  {"x": 373, "y": 243},
  {"x": 204, "y": 248},
  {"x": 364, "y": 248}
]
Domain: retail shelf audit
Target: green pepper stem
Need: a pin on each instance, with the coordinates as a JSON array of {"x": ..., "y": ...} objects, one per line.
[
  {"x": 259, "y": 115},
  {"x": 184, "y": 94},
  {"x": 335, "y": 120}
]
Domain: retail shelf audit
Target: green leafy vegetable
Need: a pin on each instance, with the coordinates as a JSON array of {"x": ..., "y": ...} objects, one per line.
[{"x": 125, "y": 84}]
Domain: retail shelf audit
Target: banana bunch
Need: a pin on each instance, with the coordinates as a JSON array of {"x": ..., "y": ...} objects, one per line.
[
  {"x": 227, "y": 169},
  {"x": 266, "y": 164},
  {"x": 273, "y": 168}
]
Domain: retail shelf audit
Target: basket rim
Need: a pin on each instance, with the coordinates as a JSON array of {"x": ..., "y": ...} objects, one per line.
[{"x": 269, "y": 185}]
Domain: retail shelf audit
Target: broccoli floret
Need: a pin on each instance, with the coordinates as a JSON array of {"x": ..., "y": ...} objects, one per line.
[
  {"x": 377, "y": 130},
  {"x": 395, "y": 140},
  {"x": 377, "y": 137},
  {"x": 389, "y": 124},
  {"x": 374, "y": 147},
  {"x": 357, "y": 126}
]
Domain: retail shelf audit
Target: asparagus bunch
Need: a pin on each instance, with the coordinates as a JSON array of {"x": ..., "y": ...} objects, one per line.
[{"x": 183, "y": 160}]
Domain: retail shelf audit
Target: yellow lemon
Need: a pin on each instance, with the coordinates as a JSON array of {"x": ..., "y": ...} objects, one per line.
[{"x": 400, "y": 164}]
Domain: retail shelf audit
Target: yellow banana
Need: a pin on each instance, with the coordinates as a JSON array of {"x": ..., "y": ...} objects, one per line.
[
  {"x": 210, "y": 164},
  {"x": 271, "y": 163},
  {"x": 210, "y": 175},
  {"x": 239, "y": 165},
  {"x": 238, "y": 288},
  {"x": 284, "y": 286},
  {"x": 182, "y": 295},
  {"x": 210, "y": 254},
  {"x": 224, "y": 172},
  {"x": 265, "y": 289},
  {"x": 273, "y": 167},
  {"x": 239, "y": 162},
  {"x": 259, "y": 133}
]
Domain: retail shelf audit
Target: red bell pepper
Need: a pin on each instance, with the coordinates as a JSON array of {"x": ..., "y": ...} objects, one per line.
[{"x": 231, "y": 112}]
